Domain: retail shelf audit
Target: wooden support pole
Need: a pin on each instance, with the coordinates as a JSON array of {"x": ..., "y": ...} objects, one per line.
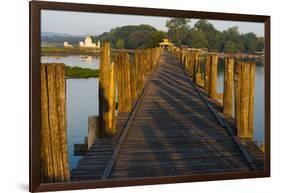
[
  {"x": 133, "y": 80},
  {"x": 93, "y": 122},
  {"x": 245, "y": 80},
  {"x": 196, "y": 66},
  {"x": 207, "y": 72},
  {"x": 54, "y": 159},
  {"x": 213, "y": 75},
  {"x": 244, "y": 98},
  {"x": 228, "y": 86},
  {"x": 251, "y": 99},
  {"x": 123, "y": 82},
  {"x": 237, "y": 94},
  {"x": 107, "y": 82}
]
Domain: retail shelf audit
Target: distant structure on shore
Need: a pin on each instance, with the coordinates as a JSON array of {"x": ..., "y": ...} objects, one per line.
[
  {"x": 67, "y": 45},
  {"x": 166, "y": 43},
  {"x": 88, "y": 43}
]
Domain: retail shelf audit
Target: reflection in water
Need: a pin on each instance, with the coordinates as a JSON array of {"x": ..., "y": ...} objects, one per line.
[{"x": 80, "y": 61}]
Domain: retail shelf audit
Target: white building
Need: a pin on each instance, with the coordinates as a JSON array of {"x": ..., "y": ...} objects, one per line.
[
  {"x": 67, "y": 45},
  {"x": 88, "y": 43}
]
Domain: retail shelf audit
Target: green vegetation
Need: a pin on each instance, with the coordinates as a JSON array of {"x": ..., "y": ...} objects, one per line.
[
  {"x": 68, "y": 51},
  {"x": 120, "y": 43},
  {"x": 133, "y": 36},
  {"x": 77, "y": 72},
  {"x": 204, "y": 35}
]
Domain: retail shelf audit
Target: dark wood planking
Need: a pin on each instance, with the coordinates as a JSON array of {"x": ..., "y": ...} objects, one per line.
[{"x": 173, "y": 133}]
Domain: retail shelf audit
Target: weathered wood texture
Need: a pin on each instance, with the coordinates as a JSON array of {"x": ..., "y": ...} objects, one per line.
[
  {"x": 54, "y": 160},
  {"x": 228, "y": 86},
  {"x": 93, "y": 123},
  {"x": 172, "y": 133},
  {"x": 107, "y": 86},
  {"x": 123, "y": 82},
  {"x": 244, "y": 98}
]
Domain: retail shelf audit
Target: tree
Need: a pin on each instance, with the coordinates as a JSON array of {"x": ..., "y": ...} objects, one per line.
[
  {"x": 250, "y": 42},
  {"x": 178, "y": 30},
  {"x": 231, "y": 47},
  {"x": 213, "y": 36},
  {"x": 120, "y": 43},
  {"x": 260, "y": 44},
  {"x": 156, "y": 38},
  {"x": 198, "y": 39}
]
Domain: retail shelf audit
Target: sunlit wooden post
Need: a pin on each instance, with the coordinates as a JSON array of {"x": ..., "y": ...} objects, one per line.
[
  {"x": 123, "y": 82},
  {"x": 93, "y": 123},
  {"x": 237, "y": 94},
  {"x": 54, "y": 156},
  {"x": 213, "y": 75},
  {"x": 207, "y": 72},
  {"x": 228, "y": 86},
  {"x": 244, "y": 98},
  {"x": 107, "y": 82},
  {"x": 186, "y": 63},
  {"x": 252, "y": 97},
  {"x": 133, "y": 79},
  {"x": 196, "y": 66}
]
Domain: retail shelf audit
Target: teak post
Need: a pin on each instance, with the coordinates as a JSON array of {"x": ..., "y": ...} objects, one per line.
[
  {"x": 54, "y": 157},
  {"x": 93, "y": 122},
  {"x": 244, "y": 98},
  {"x": 107, "y": 92},
  {"x": 207, "y": 72},
  {"x": 123, "y": 82},
  {"x": 213, "y": 75},
  {"x": 228, "y": 86}
]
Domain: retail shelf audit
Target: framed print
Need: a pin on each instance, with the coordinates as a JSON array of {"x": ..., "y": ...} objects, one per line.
[{"x": 123, "y": 96}]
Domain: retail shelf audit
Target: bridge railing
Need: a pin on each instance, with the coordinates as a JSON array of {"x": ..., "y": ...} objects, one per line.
[{"x": 239, "y": 83}]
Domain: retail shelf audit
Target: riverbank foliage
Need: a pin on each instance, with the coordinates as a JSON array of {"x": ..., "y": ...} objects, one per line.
[
  {"x": 56, "y": 51},
  {"x": 77, "y": 72}
]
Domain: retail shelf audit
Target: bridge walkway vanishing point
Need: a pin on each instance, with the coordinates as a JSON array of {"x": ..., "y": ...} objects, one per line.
[{"x": 171, "y": 131}]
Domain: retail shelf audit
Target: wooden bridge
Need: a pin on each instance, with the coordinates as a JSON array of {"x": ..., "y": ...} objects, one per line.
[
  {"x": 172, "y": 129},
  {"x": 170, "y": 120}
]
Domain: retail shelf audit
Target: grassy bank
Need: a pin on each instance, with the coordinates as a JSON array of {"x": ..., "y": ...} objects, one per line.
[
  {"x": 77, "y": 72},
  {"x": 46, "y": 51}
]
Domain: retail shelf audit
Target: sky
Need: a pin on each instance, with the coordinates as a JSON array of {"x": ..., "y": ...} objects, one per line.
[{"x": 83, "y": 23}]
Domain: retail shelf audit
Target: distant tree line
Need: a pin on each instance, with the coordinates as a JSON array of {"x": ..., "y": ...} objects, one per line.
[
  {"x": 133, "y": 36},
  {"x": 204, "y": 35},
  {"x": 201, "y": 35}
]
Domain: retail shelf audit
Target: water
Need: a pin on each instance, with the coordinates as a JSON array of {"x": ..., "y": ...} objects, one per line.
[
  {"x": 82, "y": 61},
  {"x": 82, "y": 101}
]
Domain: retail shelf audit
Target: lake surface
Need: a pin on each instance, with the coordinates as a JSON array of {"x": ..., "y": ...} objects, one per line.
[
  {"x": 82, "y": 61},
  {"x": 82, "y": 100}
]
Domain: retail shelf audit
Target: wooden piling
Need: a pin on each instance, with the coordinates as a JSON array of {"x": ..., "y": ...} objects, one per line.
[
  {"x": 237, "y": 94},
  {"x": 93, "y": 122},
  {"x": 207, "y": 72},
  {"x": 228, "y": 86},
  {"x": 245, "y": 80},
  {"x": 54, "y": 157},
  {"x": 213, "y": 75},
  {"x": 133, "y": 80},
  {"x": 251, "y": 99},
  {"x": 244, "y": 98},
  {"x": 123, "y": 82},
  {"x": 107, "y": 91}
]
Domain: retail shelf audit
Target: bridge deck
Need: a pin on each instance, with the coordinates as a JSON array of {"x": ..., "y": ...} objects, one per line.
[{"x": 173, "y": 132}]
